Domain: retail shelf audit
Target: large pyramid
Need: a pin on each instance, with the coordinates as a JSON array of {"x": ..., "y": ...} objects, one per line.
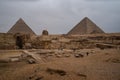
[
  {"x": 21, "y": 27},
  {"x": 86, "y": 26}
]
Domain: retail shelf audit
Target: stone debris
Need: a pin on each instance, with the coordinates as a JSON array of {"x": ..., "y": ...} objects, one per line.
[
  {"x": 78, "y": 55},
  {"x": 83, "y": 76},
  {"x": 31, "y": 61},
  {"x": 24, "y": 55},
  {"x": 67, "y": 55},
  {"x": 56, "y": 71},
  {"x": 14, "y": 59},
  {"x": 35, "y": 56},
  {"x": 39, "y": 78},
  {"x": 58, "y": 56},
  {"x": 114, "y": 60},
  {"x": 35, "y": 77}
]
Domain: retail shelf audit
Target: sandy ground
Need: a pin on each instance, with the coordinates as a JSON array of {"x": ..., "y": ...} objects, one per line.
[{"x": 98, "y": 65}]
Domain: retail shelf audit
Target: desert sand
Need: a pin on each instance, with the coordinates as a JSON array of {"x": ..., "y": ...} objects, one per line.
[{"x": 60, "y": 64}]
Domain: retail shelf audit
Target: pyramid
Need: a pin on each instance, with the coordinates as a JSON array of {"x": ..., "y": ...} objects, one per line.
[
  {"x": 86, "y": 26},
  {"x": 21, "y": 27}
]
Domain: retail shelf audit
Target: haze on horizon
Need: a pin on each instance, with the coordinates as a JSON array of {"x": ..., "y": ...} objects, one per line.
[{"x": 60, "y": 16}]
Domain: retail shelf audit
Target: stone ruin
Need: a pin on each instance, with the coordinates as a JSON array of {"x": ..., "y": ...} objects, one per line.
[
  {"x": 7, "y": 41},
  {"x": 25, "y": 41}
]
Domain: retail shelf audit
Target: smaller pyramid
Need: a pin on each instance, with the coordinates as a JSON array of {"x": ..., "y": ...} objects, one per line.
[
  {"x": 21, "y": 27},
  {"x": 86, "y": 26}
]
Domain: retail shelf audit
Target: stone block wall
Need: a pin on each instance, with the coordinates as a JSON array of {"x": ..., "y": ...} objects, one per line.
[{"x": 7, "y": 41}]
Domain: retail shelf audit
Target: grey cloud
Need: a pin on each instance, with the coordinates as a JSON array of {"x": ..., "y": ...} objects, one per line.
[
  {"x": 19, "y": 0},
  {"x": 59, "y": 16},
  {"x": 103, "y": 0}
]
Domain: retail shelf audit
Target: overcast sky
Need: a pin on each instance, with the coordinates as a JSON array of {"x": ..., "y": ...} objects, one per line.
[{"x": 60, "y": 16}]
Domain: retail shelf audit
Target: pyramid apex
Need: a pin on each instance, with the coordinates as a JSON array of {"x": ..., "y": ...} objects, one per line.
[
  {"x": 20, "y": 19},
  {"x": 86, "y": 18}
]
